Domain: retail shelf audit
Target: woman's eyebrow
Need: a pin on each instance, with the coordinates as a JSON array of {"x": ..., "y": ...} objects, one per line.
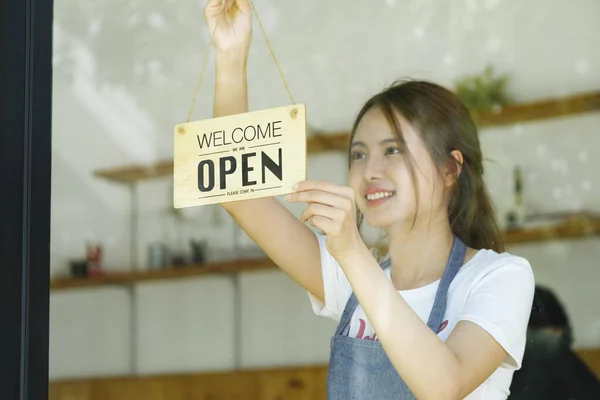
[{"x": 381, "y": 142}]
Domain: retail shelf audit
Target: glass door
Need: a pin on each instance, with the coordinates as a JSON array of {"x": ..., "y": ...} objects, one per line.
[{"x": 25, "y": 182}]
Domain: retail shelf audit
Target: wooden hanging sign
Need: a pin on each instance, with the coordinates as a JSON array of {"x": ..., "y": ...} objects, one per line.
[{"x": 239, "y": 157}]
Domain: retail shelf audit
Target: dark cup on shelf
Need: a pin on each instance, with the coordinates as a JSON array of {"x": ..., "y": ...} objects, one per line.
[
  {"x": 79, "y": 268},
  {"x": 178, "y": 260}
]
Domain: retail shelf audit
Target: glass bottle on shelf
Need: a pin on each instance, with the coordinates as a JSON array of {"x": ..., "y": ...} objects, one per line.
[
  {"x": 174, "y": 234},
  {"x": 515, "y": 217}
]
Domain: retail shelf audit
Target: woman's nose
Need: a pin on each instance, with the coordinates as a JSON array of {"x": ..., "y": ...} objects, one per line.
[{"x": 374, "y": 169}]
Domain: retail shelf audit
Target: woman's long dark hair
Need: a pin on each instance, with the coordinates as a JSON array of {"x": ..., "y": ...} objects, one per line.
[{"x": 445, "y": 124}]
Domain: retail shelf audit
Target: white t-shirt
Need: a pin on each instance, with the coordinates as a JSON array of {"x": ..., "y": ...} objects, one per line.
[{"x": 492, "y": 290}]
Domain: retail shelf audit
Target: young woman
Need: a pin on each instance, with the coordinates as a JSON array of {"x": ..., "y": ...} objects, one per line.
[{"x": 444, "y": 315}]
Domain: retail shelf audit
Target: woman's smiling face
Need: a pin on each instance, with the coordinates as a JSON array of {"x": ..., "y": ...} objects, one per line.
[{"x": 380, "y": 172}]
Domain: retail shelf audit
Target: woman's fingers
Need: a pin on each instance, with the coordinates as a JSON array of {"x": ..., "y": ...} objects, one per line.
[
  {"x": 321, "y": 210},
  {"x": 243, "y": 5},
  {"x": 324, "y": 186},
  {"x": 326, "y": 218},
  {"x": 318, "y": 196},
  {"x": 328, "y": 226},
  {"x": 330, "y": 206}
]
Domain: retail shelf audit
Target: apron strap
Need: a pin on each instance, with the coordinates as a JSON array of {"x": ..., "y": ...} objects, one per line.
[
  {"x": 455, "y": 261},
  {"x": 344, "y": 325}
]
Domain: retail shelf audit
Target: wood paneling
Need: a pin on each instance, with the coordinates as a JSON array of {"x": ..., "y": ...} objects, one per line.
[
  {"x": 291, "y": 383},
  {"x": 592, "y": 358},
  {"x": 286, "y": 383},
  {"x": 235, "y": 386},
  {"x": 71, "y": 390}
]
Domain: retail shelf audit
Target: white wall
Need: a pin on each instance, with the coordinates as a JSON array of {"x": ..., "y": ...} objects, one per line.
[{"x": 333, "y": 57}]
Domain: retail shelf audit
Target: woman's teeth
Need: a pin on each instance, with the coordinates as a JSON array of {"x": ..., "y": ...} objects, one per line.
[{"x": 379, "y": 195}]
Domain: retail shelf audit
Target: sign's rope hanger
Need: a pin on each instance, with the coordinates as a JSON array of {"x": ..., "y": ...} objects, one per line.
[
  {"x": 242, "y": 156},
  {"x": 206, "y": 57}
]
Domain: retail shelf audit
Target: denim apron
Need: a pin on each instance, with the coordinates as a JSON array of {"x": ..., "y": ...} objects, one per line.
[{"x": 360, "y": 369}]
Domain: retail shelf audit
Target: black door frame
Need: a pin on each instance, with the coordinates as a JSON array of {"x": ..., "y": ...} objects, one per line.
[{"x": 25, "y": 174}]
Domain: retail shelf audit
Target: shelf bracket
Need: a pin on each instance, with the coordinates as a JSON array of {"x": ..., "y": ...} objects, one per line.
[{"x": 133, "y": 227}]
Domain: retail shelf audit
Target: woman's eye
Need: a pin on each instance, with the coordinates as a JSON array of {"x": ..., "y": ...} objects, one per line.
[
  {"x": 357, "y": 155},
  {"x": 392, "y": 150}
]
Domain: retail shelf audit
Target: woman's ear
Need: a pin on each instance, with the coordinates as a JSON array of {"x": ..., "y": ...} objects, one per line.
[{"x": 454, "y": 168}]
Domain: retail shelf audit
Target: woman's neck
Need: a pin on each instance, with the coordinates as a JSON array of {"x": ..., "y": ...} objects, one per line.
[{"x": 419, "y": 254}]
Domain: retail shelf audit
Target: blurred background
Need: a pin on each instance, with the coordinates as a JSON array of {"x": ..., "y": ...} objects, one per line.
[{"x": 152, "y": 303}]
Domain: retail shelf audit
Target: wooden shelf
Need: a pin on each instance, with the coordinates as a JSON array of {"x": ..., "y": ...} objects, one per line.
[
  {"x": 555, "y": 232},
  {"x": 338, "y": 141},
  {"x": 539, "y": 110},
  {"x": 134, "y": 173},
  {"x": 128, "y": 278}
]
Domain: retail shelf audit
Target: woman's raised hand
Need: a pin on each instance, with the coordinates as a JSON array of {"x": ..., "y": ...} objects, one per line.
[
  {"x": 229, "y": 24},
  {"x": 332, "y": 209}
]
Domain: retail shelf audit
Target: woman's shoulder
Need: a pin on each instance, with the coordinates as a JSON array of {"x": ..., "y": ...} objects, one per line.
[
  {"x": 489, "y": 263},
  {"x": 493, "y": 259}
]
